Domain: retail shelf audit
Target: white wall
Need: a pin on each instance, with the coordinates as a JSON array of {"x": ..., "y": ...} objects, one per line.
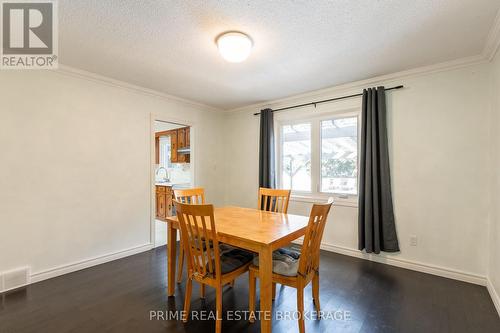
[
  {"x": 439, "y": 146},
  {"x": 494, "y": 251},
  {"x": 76, "y": 162}
]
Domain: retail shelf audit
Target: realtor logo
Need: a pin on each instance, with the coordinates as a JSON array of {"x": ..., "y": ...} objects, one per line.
[{"x": 29, "y": 35}]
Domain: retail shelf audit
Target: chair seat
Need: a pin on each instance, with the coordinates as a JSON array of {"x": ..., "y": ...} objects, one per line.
[
  {"x": 232, "y": 258},
  {"x": 285, "y": 260},
  {"x": 204, "y": 244}
]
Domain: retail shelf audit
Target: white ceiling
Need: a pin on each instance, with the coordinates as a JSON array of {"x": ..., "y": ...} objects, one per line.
[{"x": 300, "y": 46}]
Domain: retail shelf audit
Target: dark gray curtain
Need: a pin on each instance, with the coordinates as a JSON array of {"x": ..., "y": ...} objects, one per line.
[
  {"x": 266, "y": 150},
  {"x": 376, "y": 225}
]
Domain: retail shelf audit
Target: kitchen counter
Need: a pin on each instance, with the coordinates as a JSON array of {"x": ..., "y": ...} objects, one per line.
[
  {"x": 165, "y": 184},
  {"x": 175, "y": 185}
]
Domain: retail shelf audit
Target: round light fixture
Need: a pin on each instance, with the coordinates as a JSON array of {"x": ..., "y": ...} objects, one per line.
[{"x": 234, "y": 46}]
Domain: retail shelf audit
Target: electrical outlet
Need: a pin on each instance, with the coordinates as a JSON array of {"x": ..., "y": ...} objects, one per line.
[{"x": 413, "y": 240}]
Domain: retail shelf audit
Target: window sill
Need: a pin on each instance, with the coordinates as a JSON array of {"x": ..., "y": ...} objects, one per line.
[{"x": 337, "y": 200}]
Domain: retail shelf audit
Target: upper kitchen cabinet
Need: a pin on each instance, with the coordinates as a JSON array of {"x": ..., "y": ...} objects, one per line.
[
  {"x": 174, "y": 143},
  {"x": 183, "y": 148},
  {"x": 180, "y": 140}
]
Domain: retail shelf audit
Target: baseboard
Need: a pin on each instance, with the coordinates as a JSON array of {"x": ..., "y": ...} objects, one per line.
[
  {"x": 494, "y": 295},
  {"x": 76, "y": 266},
  {"x": 407, "y": 264},
  {"x": 159, "y": 244}
]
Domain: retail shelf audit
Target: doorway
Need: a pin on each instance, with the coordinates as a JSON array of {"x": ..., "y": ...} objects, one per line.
[{"x": 172, "y": 170}]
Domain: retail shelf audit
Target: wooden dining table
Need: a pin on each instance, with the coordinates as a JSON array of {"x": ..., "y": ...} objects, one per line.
[{"x": 250, "y": 229}]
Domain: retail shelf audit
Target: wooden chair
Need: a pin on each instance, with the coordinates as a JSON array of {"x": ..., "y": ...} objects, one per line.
[
  {"x": 273, "y": 200},
  {"x": 308, "y": 267},
  {"x": 206, "y": 265},
  {"x": 194, "y": 196}
]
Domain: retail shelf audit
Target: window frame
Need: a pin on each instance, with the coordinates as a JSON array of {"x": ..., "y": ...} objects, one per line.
[{"x": 315, "y": 194}]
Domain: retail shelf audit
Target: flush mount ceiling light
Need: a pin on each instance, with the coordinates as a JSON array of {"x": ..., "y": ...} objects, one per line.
[{"x": 234, "y": 46}]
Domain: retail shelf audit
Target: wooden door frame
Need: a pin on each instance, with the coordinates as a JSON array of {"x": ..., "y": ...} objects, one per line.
[{"x": 192, "y": 128}]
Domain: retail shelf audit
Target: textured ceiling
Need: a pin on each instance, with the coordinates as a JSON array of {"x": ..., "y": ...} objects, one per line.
[{"x": 300, "y": 46}]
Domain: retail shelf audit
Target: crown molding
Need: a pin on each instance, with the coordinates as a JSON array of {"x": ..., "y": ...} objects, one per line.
[
  {"x": 331, "y": 92},
  {"x": 82, "y": 74},
  {"x": 489, "y": 51},
  {"x": 493, "y": 40}
]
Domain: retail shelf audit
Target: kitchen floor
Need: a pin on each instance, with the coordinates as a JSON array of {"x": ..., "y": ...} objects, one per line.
[{"x": 118, "y": 297}]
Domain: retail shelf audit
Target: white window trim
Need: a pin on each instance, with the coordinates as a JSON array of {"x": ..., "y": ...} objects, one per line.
[{"x": 315, "y": 196}]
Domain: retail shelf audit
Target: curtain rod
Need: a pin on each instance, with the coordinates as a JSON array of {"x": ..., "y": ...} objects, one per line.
[{"x": 325, "y": 100}]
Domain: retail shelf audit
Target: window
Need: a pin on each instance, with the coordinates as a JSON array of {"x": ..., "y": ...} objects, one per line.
[
  {"x": 319, "y": 156},
  {"x": 296, "y": 157},
  {"x": 339, "y": 155},
  {"x": 165, "y": 152}
]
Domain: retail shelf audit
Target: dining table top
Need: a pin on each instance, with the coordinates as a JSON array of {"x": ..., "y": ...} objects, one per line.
[{"x": 254, "y": 225}]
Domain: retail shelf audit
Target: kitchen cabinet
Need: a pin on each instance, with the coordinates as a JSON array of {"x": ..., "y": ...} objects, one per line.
[
  {"x": 174, "y": 158},
  {"x": 179, "y": 138},
  {"x": 163, "y": 201},
  {"x": 183, "y": 142}
]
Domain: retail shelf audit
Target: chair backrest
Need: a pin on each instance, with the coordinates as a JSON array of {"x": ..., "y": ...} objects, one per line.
[
  {"x": 309, "y": 257},
  {"x": 199, "y": 239},
  {"x": 194, "y": 196},
  {"x": 273, "y": 200}
]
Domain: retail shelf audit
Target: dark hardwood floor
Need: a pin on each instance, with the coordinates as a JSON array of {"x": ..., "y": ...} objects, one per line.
[{"x": 118, "y": 297}]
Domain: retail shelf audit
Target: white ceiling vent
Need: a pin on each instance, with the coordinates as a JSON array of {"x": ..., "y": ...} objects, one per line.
[{"x": 14, "y": 279}]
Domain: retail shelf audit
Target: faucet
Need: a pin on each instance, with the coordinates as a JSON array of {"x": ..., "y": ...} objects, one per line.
[{"x": 165, "y": 179}]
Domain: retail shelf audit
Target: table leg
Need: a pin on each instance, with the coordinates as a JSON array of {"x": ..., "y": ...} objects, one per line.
[
  {"x": 171, "y": 249},
  {"x": 266, "y": 286}
]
